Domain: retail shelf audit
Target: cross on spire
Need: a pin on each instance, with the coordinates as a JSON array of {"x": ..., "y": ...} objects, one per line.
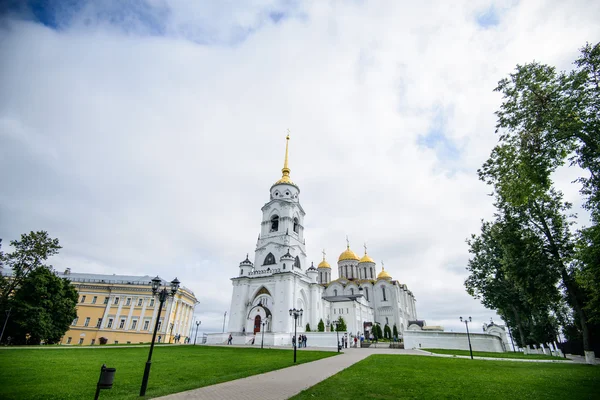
[
  {"x": 323, "y": 254},
  {"x": 382, "y": 266},
  {"x": 365, "y": 246},
  {"x": 347, "y": 242}
]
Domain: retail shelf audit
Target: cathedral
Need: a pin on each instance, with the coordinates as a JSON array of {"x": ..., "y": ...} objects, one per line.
[{"x": 279, "y": 279}]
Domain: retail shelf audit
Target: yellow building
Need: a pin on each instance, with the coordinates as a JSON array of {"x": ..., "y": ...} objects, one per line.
[{"x": 122, "y": 309}]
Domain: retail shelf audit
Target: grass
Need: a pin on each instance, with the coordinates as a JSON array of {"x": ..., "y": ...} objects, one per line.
[
  {"x": 418, "y": 377},
  {"x": 72, "y": 373},
  {"x": 496, "y": 355}
]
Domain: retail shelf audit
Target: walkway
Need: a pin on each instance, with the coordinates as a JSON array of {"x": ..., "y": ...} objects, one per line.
[{"x": 284, "y": 383}]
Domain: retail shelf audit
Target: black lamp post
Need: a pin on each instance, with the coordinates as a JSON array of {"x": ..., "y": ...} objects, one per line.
[
  {"x": 263, "y": 332},
  {"x": 163, "y": 294},
  {"x": 197, "y": 325},
  {"x": 337, "y": 334},
  {"x": 295, "y": 314},
  {"x": 466, "y": 321}
]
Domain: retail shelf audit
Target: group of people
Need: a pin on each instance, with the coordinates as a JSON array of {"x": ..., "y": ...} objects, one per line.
[{"x": 301, "y": 340}]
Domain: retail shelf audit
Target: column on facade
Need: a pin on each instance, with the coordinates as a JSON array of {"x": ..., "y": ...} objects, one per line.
[
  {"x": 106, "y": 312},
  {"x": 118, "y": 314},
  {"x": 154, "y": 316},
  {"x": 165, "y": 328},
  {"x": 142, "y": 315},
  {"x": 131, "y": 307},
  {"x": 177, "y": 321}
]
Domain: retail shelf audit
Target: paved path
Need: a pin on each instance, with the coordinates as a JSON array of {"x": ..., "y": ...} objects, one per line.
[{"x": 284, "y": 383}]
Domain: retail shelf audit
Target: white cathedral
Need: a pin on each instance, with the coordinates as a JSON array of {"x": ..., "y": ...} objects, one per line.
[{"x": 280, "y": 279}]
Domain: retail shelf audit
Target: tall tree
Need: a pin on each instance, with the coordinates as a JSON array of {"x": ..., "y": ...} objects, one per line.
[
  {"x": 30, "y": 253},
  {"x": 321, "y": 326},
  {"x": 43, "y": 308},
  {"x": 341, "y": 326},
  {"x": 546, "y": 119}
]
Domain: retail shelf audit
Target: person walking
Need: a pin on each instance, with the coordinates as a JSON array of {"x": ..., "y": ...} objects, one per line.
[
  {"x": 230, "y": 339},
  {"x": 305, "y": 340}
]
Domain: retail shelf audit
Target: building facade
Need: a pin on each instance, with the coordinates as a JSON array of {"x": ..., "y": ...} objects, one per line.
[
  {"x": 123, "y": 310},
  {"x": 280, "y": 279}
]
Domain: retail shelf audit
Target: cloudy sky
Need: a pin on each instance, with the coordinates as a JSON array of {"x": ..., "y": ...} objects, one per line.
[{"x": 146, "y": 136}]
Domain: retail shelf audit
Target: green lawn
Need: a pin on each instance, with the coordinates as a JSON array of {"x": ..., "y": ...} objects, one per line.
[
  {"x": 72, "y": 373},
  {"x": 418, "y": 377},
  {"x": 496, "y": 355}
]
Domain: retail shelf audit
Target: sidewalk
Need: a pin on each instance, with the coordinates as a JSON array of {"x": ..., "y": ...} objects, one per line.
[{"x": 284, "y": 383}]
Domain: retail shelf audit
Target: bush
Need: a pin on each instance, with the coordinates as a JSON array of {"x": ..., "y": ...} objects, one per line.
[
  {"x": 103, "y": 340},
  {"x": 307, "y": 328},
  {"x": 321, "y": 326}
]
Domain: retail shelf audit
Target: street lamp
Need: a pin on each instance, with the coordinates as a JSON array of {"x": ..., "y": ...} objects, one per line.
[
  {"x": 337, "y": 334},
  {"x": 295, "y": 314},
  {"x": 163, "y": 294},
  {"x": 197, "y": 325},
  {"x": 468, "y": 335},
  {"x": 263, "y": 332},
  {"x": 224, "y": 315}
]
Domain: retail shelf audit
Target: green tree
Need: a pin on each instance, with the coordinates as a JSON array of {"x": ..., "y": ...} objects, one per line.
[
  {"x": 378, "y": 333},
  {"x": 395, "y": 331},
  {"x": 43, "y": 308},
  {"x": 387, "y": 332},
  {"x": 546, "y": 119},
  {"x": 29, "y": 253},
  {"x": 321, "y": 326},
  {"x": 341, "y": 325},
  {"x": 307, "y": 328}
]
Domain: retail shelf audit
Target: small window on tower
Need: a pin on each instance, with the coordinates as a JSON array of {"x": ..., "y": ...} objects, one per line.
[
  {"x": 296, "y": 225},
  {"x": 274, "y": 223},
  {"x": 269, "y": 259},
  {"x": 297, "y": 262}
]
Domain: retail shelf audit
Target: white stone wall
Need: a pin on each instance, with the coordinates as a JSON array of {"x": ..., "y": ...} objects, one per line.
[{"x": 452, "y": 340}]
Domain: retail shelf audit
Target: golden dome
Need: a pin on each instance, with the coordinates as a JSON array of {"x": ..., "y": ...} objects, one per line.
[
  {"x": 348, "y": 255},
  {"x": 323, "y": 264},
  {"x": 366, "y": 258},
  {"x": 383, "y": 274}
]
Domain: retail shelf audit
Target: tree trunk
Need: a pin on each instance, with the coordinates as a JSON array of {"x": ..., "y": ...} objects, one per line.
[{"x": 520, "y": 328}]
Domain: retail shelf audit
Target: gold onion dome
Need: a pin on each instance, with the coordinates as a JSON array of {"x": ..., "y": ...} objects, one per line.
[
  {"x": 285, "y": 171},
  {"x": 323, "y": 264},
  {"x": 383, "y": 274},
  {"x": 348, "y": 255},
  {"x": 366, "y": 259}
]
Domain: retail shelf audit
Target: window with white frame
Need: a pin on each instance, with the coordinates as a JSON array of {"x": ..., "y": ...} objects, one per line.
[{"x": 87, "y": 321}]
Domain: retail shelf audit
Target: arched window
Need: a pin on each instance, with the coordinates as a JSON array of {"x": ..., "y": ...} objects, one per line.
[
  {"x": 335, "y": 292},
  {"x": 269, "y": 259},
  {"x": 387, "y": 321},
  {"x": 371, "y": 269},
  {"x": 367, "y": 293},
  {"x": 296, "y": 226},
  {"x": 297, "y": 262},
  {"x": 351, "y": 290},
  {"x": 383, "y": 291},
  {"x": 274, "y": 223}
]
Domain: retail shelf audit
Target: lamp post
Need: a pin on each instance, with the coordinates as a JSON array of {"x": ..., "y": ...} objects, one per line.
[
  {"x": 295, "y": 314},
  {"x": 7, "y": 312},
  {"x": 224, "y": 315},
  {"x": 466, "y": 321},
  {"x": 197, "y": 325},
  {"x": 337, "y": 334},
  {"x": 263, "y": 332},
  {"x": 163, "y": 294}
]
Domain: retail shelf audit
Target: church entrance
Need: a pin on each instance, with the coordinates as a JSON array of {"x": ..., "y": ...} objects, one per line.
[{"x": 257, "y": 321}]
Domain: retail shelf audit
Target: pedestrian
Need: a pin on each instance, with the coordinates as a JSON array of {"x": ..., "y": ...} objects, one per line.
[
  {"x": 230, "y": 339},
  {"x": 355, "y": 341},
  {"x": 362, "y": 339},
  {"x": 342, "y": 342},
  {"x": 294, "y": 341},
  {"x": 305, "y": 339}
]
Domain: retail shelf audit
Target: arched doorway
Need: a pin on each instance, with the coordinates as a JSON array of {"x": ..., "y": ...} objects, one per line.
[{"x": 257, "y": 321}]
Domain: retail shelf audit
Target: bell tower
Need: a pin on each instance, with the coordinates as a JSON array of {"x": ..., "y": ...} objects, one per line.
[{"x": 281, "y": 243}]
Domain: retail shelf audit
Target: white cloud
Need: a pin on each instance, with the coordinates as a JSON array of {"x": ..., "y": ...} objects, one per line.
[{"x": 150, "y": 149}]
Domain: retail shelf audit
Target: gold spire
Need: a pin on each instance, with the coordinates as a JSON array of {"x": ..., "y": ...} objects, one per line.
[
  {"x": 324, "y": 264},
  {"x": 383, "y": 274},
  {"x": 366, "y": 257},
  {"x": 285, "y": 171}
]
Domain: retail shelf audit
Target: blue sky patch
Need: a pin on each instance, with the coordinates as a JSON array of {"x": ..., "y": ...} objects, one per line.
[
  {"x": 437, "y": 140},
  {"x": 489, "y": 18}
]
